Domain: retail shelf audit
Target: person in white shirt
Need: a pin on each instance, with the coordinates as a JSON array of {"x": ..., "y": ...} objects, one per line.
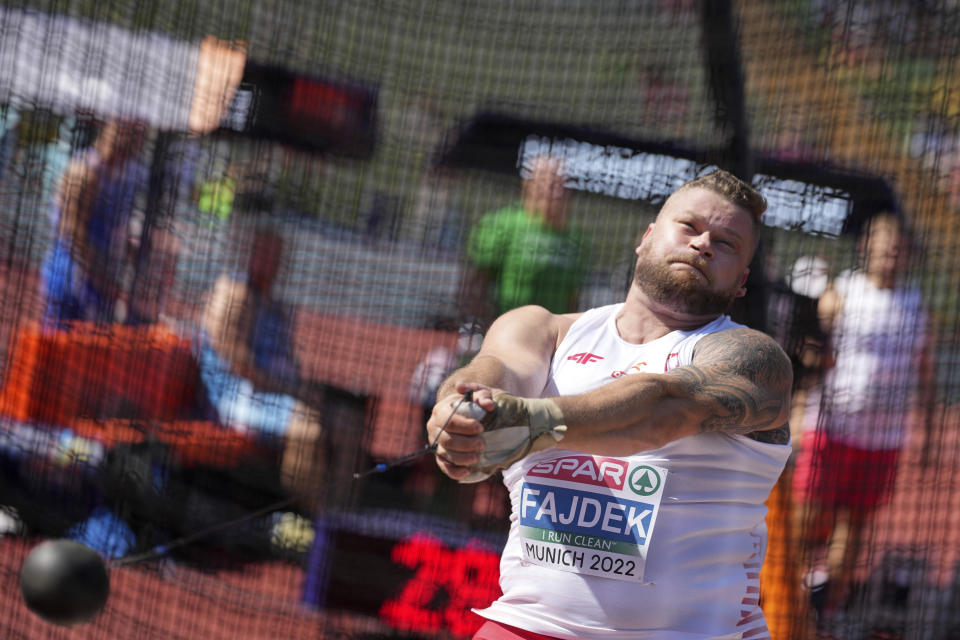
[
  {"x": 638, "y": 441},
  {"x": 879, "y": 362}
]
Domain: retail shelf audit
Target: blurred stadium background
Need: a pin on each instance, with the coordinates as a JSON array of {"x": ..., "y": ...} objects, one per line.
[{"x": 371, "y": 136}]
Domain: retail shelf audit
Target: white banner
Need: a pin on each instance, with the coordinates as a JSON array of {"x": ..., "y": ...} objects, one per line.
[{"x": 67, "y": 65}]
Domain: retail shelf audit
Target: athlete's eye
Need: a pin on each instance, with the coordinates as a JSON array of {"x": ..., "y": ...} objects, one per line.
[{"x": 727, "y": 244}]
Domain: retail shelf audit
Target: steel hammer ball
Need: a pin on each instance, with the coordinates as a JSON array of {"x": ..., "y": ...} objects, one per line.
[{"x": 64, "y": 582}]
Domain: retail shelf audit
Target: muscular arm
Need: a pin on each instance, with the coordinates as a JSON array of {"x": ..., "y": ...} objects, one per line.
[
  {"x": 738, "y": 383},
  {"x": 515, "y": 357}
]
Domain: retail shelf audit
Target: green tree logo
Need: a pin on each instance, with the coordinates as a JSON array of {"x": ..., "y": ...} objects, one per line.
[{"x": 644, "y": 480}]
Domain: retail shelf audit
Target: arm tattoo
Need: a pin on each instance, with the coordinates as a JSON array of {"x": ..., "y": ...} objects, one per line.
[{"x": 746, "y": 378}]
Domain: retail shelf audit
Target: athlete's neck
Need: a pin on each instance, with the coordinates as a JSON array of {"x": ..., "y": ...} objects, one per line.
[{"x": 642, "y": 320}]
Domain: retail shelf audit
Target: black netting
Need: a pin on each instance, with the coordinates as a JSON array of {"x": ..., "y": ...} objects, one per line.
[{"x": 241, "y": 243}]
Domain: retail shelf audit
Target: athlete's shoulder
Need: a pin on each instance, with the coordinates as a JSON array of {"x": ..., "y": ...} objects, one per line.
[
  {"x": 535, "y": 315},
  {"x": 740, "y": 344},
  {"x": 534, "y": 321}
]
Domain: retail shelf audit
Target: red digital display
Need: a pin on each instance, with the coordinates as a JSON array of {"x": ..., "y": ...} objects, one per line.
[
  {"x": 418, "y": 584},
  {"x": 312, "y": 101},
  {"x": 446, "y": 584}
]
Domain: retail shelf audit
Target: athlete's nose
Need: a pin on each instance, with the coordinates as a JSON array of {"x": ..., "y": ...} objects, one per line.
[{"x": 702, "y": 244}]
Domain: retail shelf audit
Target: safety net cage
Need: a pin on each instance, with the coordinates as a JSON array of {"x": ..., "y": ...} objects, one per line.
[{"x": 242, "y": 242}]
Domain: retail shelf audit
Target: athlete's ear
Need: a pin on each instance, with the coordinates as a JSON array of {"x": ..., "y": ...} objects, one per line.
[
  {"x": 742, "y": 291},
  {"x": 643, "y": 237}
]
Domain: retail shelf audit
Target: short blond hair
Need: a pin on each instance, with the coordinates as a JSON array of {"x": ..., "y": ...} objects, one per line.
[{"x": 733, "y": 189}]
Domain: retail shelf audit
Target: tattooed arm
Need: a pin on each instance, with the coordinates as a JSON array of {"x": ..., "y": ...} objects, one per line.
[{"x": 739, "y": 383}]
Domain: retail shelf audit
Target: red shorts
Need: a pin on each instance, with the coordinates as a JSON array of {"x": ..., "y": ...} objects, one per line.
[
  {"x": 834, "y": 473},
  {"x": 496, "y": 631}
]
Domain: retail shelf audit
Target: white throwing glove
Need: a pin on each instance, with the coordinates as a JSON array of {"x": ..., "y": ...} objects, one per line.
[{"x": 516, "y": 427}]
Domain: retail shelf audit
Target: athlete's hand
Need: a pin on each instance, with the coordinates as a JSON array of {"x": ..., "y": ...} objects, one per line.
[
  {"x": 457, "y": 437},
  {"x": 491, "y": 431}
]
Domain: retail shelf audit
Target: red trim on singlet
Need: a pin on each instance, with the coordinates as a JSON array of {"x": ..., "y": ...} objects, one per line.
[{"x": 496, "y": 631}]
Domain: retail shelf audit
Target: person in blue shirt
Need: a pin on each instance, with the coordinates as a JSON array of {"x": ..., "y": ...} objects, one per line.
[
  {"x": 249, "y": 370},
  {"x": 97, "y": 196}
]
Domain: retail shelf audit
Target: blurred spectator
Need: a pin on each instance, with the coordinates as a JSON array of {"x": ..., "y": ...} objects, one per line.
[
  {"x": 249, "y": 371},
  {"x": 178, "y": 159},
  {"x": 264, "y": 348},
  {"x": 793, "y": 322},
  {"x": 154, "y": 278},
  {"x": 96, "y": 198},
  {"x": 217, "y": 195},
  {"x": 423, "y": 481},
  {"x": 878, "y": 363},
  {"x": 440, "y": 361},
  {"x": 527, "y": 253}
]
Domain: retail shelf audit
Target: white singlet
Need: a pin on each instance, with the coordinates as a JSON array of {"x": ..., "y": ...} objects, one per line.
[
  {"x": 878, "y": 337},
  {"x": 665, "y": 544}
]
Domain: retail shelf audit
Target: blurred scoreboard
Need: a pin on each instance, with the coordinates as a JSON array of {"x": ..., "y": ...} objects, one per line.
[
  {"x": 802, "y": 196},
  {"x": 417, "y": 574},
  {"x": 308, "y": 112}
]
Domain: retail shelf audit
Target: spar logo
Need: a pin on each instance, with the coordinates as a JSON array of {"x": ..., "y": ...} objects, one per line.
[
  {"x": 585, "y": 357},
  {"x": 645, "y": 481},
  {"x": 583, "y": 469}
]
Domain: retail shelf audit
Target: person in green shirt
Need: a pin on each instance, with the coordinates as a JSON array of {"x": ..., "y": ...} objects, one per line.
[{"x": 527, "y": 253}]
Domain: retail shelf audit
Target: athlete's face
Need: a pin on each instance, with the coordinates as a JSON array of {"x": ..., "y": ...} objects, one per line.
[{"x": 695, "y": 256}]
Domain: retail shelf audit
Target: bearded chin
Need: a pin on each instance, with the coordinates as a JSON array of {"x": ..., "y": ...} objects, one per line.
[{"x": 680, "y": 290}]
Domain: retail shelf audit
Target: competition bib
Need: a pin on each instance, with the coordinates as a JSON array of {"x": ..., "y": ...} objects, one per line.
[{"x": 590, "y": 514}]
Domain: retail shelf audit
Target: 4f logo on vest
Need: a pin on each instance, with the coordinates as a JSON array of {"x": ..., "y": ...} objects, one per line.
[{"x": 585, "y": 357}]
